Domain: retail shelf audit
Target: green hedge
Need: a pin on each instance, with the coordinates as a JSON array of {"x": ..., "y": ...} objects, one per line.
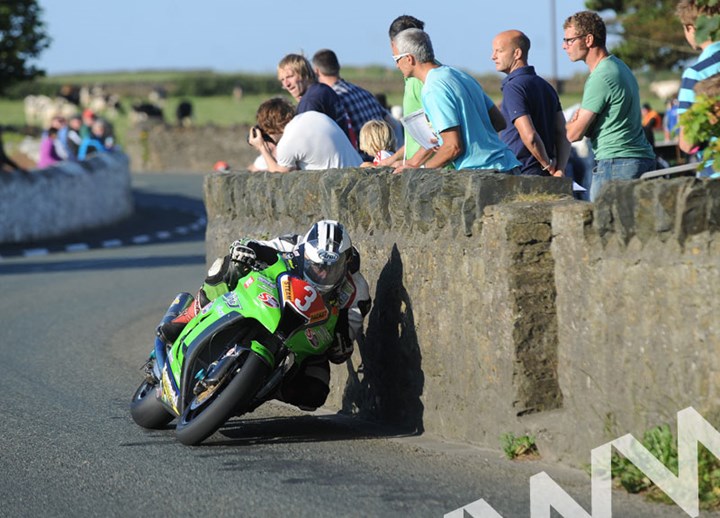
[
  {"x": 196, "y": 84},
  {"x": 209, "y": 85}
]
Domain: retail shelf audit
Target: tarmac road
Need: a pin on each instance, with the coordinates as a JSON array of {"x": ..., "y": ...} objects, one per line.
[{"x": 75, "y": 330}]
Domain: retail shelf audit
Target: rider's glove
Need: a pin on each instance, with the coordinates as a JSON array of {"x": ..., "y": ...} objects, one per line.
[
  {"x": 341, "y": 350},
  {"x": 240, "y": 253}
]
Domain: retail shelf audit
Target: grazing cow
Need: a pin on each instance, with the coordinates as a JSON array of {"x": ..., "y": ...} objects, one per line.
[
  {"x": 184, "y": 113},
  {"x": 146, "y": 112}
]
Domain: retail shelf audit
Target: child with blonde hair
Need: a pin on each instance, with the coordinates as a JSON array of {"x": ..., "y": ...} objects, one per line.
[{"x": 377, "y": 139}]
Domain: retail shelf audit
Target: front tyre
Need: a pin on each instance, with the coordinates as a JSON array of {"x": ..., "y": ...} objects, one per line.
[
  {"x": 146, "y": 410},
  {"x": 200, "y": 420}
]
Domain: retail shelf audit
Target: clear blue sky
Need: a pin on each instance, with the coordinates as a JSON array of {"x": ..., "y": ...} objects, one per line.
[{"x": 247, "y": 36}]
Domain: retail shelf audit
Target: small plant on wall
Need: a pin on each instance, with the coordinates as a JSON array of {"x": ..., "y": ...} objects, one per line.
[{"x": 522, "y": 447}]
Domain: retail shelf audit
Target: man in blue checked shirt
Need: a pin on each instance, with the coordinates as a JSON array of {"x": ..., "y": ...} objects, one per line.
[{"x": 361, "y": 105}]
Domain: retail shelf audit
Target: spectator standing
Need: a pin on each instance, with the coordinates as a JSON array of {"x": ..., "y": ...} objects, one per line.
[
  {"x": 411, "y": 102},
  {"x": 308, "y": 140},
  {"x": 60, "y": 143},
  {"x": 48, "y": 154},
  {"x": 99, "y": 140},
  {"x": 361, "y": 105},
  {"x": 651, "y": 121},
  {"x": 650, "y": 117},
  {"x": 707, "y": 65},
  {"x": 88, "y": 118},
  {"x": 670, "y": 120},
  {"x": 463, "y": 116},
  {"x": 610, "y": 108},
  {"x": 73, "y": 138},
  {"x": 535, "y": 122},
  {"x": 297, "y": 77}
]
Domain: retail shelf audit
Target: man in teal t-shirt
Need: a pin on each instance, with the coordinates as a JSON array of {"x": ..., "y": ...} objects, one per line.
[
  {"x": 411, "y": 152},
  {"x": 463, "y": 117},
  {"x": 610, "y": 111}
]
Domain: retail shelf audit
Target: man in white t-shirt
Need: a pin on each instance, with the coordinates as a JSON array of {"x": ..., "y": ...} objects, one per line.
[{"x": 308, "y": 141}]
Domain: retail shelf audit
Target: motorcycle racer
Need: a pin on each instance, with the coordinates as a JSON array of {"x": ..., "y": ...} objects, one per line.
[{"x": 325, "y": 258}]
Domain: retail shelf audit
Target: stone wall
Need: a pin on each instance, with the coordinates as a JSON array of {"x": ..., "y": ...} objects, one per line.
[
  {"x": 65, "y": 198},
  {"x": 463, "y": 304},
  {"x": 500, "y": 307},
  {"x": 637, "y": 307},
  {"x": 161, "y": 147}
]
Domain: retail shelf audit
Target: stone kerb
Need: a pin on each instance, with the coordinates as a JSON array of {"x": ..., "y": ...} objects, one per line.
[
  {"x": 458, "y": 282},
  {"x": 65, "y": 198}
]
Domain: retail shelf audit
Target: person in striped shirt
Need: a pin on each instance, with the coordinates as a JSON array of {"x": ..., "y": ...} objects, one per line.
[{"x": 707, "y": 64}]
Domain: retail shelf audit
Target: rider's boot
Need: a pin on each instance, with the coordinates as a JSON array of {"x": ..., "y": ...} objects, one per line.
[{"x": 169, "y": 331}]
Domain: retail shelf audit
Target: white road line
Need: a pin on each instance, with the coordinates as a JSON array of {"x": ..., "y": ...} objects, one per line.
[
  {"x": 77, "y": 247},
  {"x": 31, "y": 252},
  {"x": 113, "y": 243}
]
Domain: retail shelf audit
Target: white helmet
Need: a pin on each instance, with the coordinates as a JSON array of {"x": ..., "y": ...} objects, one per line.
[{"x": 327, "y": 248}]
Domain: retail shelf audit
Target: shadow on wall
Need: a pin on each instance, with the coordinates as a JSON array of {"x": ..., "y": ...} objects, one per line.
[{"x": 389, "y": 382}]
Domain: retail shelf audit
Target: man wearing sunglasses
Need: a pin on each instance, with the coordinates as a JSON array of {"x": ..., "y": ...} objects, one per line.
[
  {"x": 610, "y": 110},
  {"x": 463, "y": 116}
]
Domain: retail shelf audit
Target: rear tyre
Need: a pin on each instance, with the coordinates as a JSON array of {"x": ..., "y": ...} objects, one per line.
[
  {"x": 146, "y": 410},
  {"x": 202, "y": 419}
]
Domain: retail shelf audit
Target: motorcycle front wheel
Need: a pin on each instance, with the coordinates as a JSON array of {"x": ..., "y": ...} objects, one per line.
[
  {"x": 146, "y": 410},
  {"x": 203, "y": 417}
]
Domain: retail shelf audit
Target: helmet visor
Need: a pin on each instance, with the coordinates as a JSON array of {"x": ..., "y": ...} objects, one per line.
[{"x": 327, "y": 273}]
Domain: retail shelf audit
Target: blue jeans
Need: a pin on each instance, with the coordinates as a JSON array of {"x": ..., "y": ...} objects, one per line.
[{"x": 618, "y": 169}]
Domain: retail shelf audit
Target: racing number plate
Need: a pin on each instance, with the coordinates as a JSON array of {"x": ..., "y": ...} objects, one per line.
[{"x": 304, "y": 298}]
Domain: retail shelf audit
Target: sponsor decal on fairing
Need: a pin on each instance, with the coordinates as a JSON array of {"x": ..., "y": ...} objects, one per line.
[{"x": 268, "y": 300}]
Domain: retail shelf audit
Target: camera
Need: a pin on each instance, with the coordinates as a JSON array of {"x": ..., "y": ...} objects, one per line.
[
  {"x": 254, "y": 131},
  {"x": 265, "y": 136}
]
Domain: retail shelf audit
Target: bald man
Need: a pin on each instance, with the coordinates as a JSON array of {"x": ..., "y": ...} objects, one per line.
[{"x": 535, "y": 129}]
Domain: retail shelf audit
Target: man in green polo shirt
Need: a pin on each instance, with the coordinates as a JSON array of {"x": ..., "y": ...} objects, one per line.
[{"x": 610, "y": 110}]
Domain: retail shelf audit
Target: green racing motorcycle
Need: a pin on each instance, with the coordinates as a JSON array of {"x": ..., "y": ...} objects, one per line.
[{"x": 234, "y": 354}]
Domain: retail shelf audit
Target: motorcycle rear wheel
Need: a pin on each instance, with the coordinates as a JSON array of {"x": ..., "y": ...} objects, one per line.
[
  {"x": 198, "y": 423},
  {"x": 146, "y": 410}
]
